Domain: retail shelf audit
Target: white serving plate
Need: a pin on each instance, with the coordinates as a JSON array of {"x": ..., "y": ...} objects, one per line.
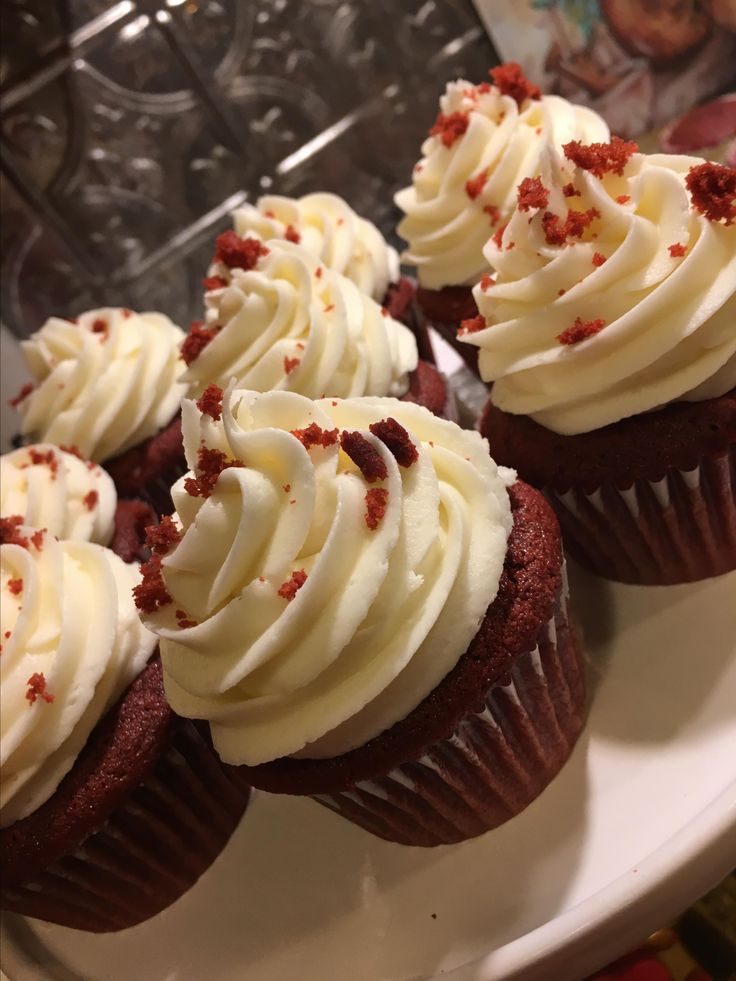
[{"x": 641, "y": 821}]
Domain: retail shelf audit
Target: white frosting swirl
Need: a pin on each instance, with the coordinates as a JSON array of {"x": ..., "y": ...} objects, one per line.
[
  {"x": 444, "y": 226},
  {"x": 292, "y": 323},
  {"x": 328, "y": 228},
  {"x": 53, "y": 489},
  {"x": 104, "y": 383},
  {"x": 72, "y": 622},
  {"x": 384, "y": 613},
  {"x": 668, "y": 318}
]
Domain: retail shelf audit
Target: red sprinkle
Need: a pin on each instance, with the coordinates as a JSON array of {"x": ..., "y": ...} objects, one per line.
[
  {"x": 162, "y": 538},
  {"x": 15, "y": 586},
  {"x": 364, "y": 455},
  {"x": 37, "y": 688},
  {"x": 393, "y": 435},
  {"x": 557, "y": 232},
  {"x": 532, "y": 193},
  {"x": 151, "y": 593},
  {"x": 601, "y": 158},
  {"x": 214, "y": 282},
  {"x": 475, "y": 185},
  {"x": 196, "y": 341},
  {"x": 210, "y": 464},
  {"x": 486, "y": 281},
  {"x": 580, "y": 330},
  {"x": 509, "y": 79},
  {"x": 498, "y": 234},
  {"x": 90, "y": 500},
  {"x": 712, "y": 190},
  {"x": 314, "y": 435},
  {"x": 292, "y": 235},
  {"x": 677, "y": 250},
  {"x": 238, "y": 253},
  {"x": 376, "y": 502},
  {"x": 289, "y": 589},
  {"x": 290, "y": 364},
  {"x": 623, "y": 198},
  {"x": 598, "y": 258},
  {"x": 569, "y": 191},
  {"x": 210, "y": 401},
  {"x": 450, "y": 128},
  {"x": 472, "y": 325},
  {"x": 22, "y": 394}
]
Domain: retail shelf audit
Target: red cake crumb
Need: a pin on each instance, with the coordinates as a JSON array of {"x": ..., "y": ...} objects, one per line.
[
  {"x": 498, "y": 234},
  {"x": 449, "y": 128},
  {"x": 196, "y": 341},
  {"x": 37, "y": 539},
  {"x": 393, "y": 435},
  {"x": 214, "y": 282},
  {"x": 623, "y": 198},
  {"x": 486, "y": 281},
  {"x": 384, "y": 312},
  {"x": 376, "y": 502},
  {"x": 37, "y": 688},
  {"x": 100, "y": 326},
  {"x": 90, "y": 500},
  {"x": 330, "y": 306},
  {"x": 238, "y": 253},
  {"x": 510, "y": 246},
  {"x": 318, "y": 272},
  {"x": 22, "y": 394},
  {"x": 74, "y": 450},
  {"x": 210, "y": 401},
  {"x": 532, "y": 193},
  {"x": 569, "y": 191},
  {"x": 509, "y": 79},
  {"x": 493, "y": 212},
  {"x": 290, "y": 364},
  {"x": 561, "y": 292},
  {"x": 712, "y": 190},
  {"x": 314, "y": 435},
  {"x": 472, "y": 325},
  {"x": 292, "y": 235},
  {"x": 677, "y": 250},
  {"x": 162, "y": 538},
  {"x": 475, "y": 185},
  {"x": 183, "y": 620},
  {"x": 557, "y": 232},
  {"x": 580, "y": 330},
  {"x": 601, "y": 158},
  {"x": 286, "y": 488},
  {"x": 364, "y": 455},
  {"x": 289, "y": 589},
  {"x": 9, "y": 534},
  {"x": 210, "y": 464},
  {"x": 39, "y": 459},
  {"x": 151, "y": 593},
  {"x": 598, "y": 258},
  {"x": 15, "y": 586}
]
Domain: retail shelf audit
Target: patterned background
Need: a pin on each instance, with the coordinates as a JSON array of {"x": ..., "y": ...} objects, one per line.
[{"x": 129, "y": 130}]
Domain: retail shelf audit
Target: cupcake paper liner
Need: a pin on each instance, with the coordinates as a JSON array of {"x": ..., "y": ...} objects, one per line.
[
  {"x": 678, "y": 529},
  {"x": 495, "y": 762},
  {"x": 150, "y": 850}
]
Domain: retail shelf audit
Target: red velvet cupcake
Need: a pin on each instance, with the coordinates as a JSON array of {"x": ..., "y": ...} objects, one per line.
[{"x": 377, "y": 616}]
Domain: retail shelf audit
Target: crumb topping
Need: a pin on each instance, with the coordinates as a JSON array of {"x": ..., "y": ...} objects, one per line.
[
  {"x": 623, "y": 198},
  {"x": 497, "y": 236},
  {"x": 580, "y": 330},
  {"x": 493, "y": 212},
  {"x": 393, "y": 435},
  {"x": 475, "y": 185},
  {"x": 36, "y": 685},
  {"x": 677, "y": 250},
  {"x": 22, "y": 394},
  {"x": 289, "y": 589},
  {"x": 532, "y": 193},
  {"x": 449, "y": 128},
  {"x": 151, "y": 593},
  {"x": 557, "y": 232},
  {"x": 164, "y": 536},
  {"x": 292, "y": 235},
  {"x": 100, "y": 326},
  {"x": 569, "y": 191},
  {"x": 197, "y": 340},
  {"x": 290, "y": 364},
  {"x": 9, "y": 534},
  {"x": 210, "y": 401},
  {"x": 598, "y": 258},
  {"x": 712, "y": 190},
  {"x": 37, "y": 539},
  {"x": 509, "y": 79},
  {"x": 90, "y": 500},
  {"x": 210, "y": 464},
  {"x": 364, "y": 455},
  {"x": 214, "y": 282},
  {"x": 39, "y": 459},
  {"x": 486, "y": 281},
  {"x": 601, "y": 158},
  {"x": 472, "y": 325},
  {"x": 376, "y": 502},
  {"x": 183, "y": 620},
  {"x": 238, "y": 253},
  {"x": 314, "y": 435},
  {"x": 15, "y": 586}
]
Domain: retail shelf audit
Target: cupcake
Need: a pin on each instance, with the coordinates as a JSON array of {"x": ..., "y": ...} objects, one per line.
[
  {"x": 609, "y": 338},
  {"x": 54, "y": 488},
  {"x": 277, "y": 318},
  {"x": 110, "y": 806},
  {"x": 366, "y": 610},
  {"x": 108, "y": 385},
  {"x": 325, "y": 225},
  {"x": 486, "y": 139}
]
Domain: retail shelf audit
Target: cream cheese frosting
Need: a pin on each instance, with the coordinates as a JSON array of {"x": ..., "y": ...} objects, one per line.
[
  {"x": 322, "y": 586},
  {"x": 102, "y": 383},
  {"x": 54, "y": 489},
  {"x": 614, "y": 294},
  {"x": 325, "y": 225},
  {"x": 464, "y": 185},
  {"x": 72, "y": 643},
  {"x": 285, "y": 321}
]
